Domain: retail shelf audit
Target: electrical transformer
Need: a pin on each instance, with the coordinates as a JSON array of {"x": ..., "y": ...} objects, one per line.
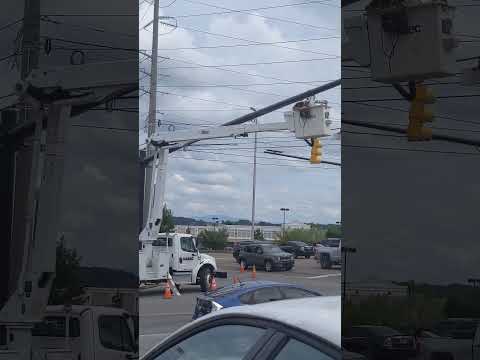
[{"x": 411, "y": 42}]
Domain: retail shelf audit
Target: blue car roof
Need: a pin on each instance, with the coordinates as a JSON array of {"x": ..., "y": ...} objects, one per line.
[{"x": 243, "y": 287}]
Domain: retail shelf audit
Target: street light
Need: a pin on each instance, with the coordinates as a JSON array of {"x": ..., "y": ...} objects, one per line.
[
  {"x": 346, "y": 250},
  {"x": 284, "y": 212}
]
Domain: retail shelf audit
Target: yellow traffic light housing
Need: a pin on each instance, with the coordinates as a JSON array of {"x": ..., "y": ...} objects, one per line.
[
  {"x": 419, "y": 115},
  {"x": 316, "y": 154}
]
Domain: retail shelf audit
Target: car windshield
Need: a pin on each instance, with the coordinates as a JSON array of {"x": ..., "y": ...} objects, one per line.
[
  {"x": 331, "y": 243},
  {"x": 272, "y": 249},
  {"x": 299, "y": 243}
]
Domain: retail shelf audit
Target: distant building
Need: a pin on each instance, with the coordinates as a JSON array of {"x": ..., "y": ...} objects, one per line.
[
  {"x": 240, "y": 232},
  {"x": 359, "y": 291}
]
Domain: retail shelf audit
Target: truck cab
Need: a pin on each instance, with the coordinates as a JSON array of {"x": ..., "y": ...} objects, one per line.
[
  {"x": 85, "y": 332},
  {"x": 175, "y": 255}
]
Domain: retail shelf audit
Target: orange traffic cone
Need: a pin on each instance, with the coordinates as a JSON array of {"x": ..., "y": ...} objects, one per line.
[
  {"x": 167, "y": 294},
  {"x": 242, "y": 268},
  {"x": 213, "y": 284},
  {"x": 254, "y": 272}
]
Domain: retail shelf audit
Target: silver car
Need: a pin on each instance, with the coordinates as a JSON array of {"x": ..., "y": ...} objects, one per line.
[{"x": 307, "y": 329}]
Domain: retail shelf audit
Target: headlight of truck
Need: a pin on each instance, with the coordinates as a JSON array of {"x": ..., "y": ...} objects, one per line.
[
  {"x": 216, "y": 306},
  {"x": 302, "y": 248}
]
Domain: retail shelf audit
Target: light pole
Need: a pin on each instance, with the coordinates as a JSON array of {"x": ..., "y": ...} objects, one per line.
[
  {"x": 284, "y": 214},
  {"x": 345, "y": 251},
  {"x": 254, "y": 181}
]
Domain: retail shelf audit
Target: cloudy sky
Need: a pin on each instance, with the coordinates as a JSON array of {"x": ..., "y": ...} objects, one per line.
[{"x": 217, "y": 179}]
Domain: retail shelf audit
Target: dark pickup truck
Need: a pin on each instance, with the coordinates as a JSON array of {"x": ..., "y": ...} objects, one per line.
[{"x": 298, "y": 248}]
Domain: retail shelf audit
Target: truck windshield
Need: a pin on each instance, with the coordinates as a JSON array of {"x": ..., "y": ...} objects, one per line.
[
  {"x": 115, "y": 333},
  {"x": 187, "y": 244}
]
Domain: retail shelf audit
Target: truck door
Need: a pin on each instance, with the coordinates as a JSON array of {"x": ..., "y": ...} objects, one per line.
[
  {"x": 186, "y": 254},
  {"x": 476, "y": 345},
  {"x": 114, "y": 339}
]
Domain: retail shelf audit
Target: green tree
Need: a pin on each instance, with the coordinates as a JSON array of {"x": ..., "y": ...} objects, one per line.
[
  {"x": 215, "y": 240},
  {"x": 334, "y": 231},
  {"x": 167, "y": 225},
  {"x": 258, "y": 235},
  {"x": 66, "y": 285},
  {"x": 309, "y": 236}
]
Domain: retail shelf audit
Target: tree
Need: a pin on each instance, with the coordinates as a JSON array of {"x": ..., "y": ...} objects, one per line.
[
  {"x": 215, "y": 240},
  {"x": 309, "y": 236},
  {"x": 258, "y": 235},
  {"x": 334, "y": 231},
  {"x": 66, "y": 285},
  {"x": 168, "y": 224}
]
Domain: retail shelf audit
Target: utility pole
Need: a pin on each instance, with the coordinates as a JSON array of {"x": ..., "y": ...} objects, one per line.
[
  {"x": 284, "y": 212},
  {"x": 31, "y": 37},
  {"x": 345, "y": 250},
  {"x": 254, "y": 180},
  {"x": 152, "y": 106}
]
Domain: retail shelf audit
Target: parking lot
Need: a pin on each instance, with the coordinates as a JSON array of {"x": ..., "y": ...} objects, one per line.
[{"x": 160, "y": 317}]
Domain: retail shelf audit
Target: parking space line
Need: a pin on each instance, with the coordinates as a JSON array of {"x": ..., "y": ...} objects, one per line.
[{"x": 323, "y": 276}]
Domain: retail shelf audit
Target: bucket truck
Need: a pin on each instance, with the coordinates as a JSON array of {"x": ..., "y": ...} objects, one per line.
[
  {"x": 175, "y": 257},
  {"x": 52, "y": 96}
]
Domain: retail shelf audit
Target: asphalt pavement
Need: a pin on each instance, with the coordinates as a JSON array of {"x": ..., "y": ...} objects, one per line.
[{"x": 160, "y": 317}]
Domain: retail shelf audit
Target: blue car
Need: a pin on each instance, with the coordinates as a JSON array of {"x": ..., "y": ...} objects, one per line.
[{"x": 248, "y": 293}]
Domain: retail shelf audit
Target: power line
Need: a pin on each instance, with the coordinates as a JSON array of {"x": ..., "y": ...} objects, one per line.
[
  {"x": 405, "y": 111},
  {"x": 217, "y": 67},
  {"x": 10, "y": 24},
  {"x": 402, "y": 99},
  {"x": 255, "y": 9},
  {"x": 255, "y": 44},
  {"x": 248, "y": 40},
  {"x": 411, "y": 150},
  {"x": 249, "y": 163},
  {"x": 166, "y": 6},
  {"x": 249, "y": 64},
  {"x": 262, "y": 16},
  {"x": 102, "y": 30},
  {"x": 93, "y": 44}
]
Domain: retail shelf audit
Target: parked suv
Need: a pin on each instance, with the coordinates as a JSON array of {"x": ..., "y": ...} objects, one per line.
[
  {"x": 299, "y": 248},
  {"x": 237, "y": 246},
  {"x": 267, "y": 256}
]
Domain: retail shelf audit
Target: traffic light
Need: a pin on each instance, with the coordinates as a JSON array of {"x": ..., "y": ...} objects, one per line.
[
  {"x": 419, "y": 115},
  {"x": 316, "y": 155}
]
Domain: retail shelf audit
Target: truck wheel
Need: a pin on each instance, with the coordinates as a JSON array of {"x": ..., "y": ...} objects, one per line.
[
  {"x": 205, "y": 275},
  {"x": 268, "y": 266},
  {"x": 325, "y": 262}
]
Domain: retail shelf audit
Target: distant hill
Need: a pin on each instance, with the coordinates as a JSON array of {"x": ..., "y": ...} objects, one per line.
[{"x": 180, "y": 220}]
